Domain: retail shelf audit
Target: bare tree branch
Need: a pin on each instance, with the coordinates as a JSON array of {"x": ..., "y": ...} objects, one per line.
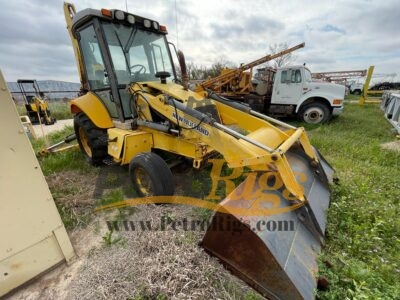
[{"x": 284, "y": 59}]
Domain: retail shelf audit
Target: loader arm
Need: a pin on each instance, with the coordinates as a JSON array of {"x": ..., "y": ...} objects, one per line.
[{"x": 261, "y": 145}]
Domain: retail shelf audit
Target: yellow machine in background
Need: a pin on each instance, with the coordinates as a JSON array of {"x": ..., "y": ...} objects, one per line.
[
  {"x": 238, "y": 82},
  {"x": 36, "y": 105},
  {"x": 369, "y": 96},
  {"x": 135, "y": 112}
]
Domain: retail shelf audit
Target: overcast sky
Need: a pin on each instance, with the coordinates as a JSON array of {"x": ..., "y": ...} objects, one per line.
[{"x": 339, "y": 35}]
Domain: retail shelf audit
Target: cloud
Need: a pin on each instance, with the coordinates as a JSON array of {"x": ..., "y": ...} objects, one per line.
[
  {"x": 339, "y": 35},
  {"x": 329, "y": 27}
]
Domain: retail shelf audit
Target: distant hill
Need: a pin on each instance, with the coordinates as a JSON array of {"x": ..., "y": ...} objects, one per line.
[{"x": 53, "y": 89}]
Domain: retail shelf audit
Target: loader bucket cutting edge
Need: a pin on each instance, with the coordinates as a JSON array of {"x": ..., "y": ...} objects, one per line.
[{"x": 275, "y": 254}]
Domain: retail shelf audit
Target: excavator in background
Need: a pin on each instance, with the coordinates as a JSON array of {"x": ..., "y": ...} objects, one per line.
[
  {"x": 134, "y": 111},
  {"x": 282, "y": 92},
  {"x": 36, "y": 105}
]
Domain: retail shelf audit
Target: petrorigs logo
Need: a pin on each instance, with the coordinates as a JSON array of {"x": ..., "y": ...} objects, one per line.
[
  {"x": 227, "y": 224},
  {"x": 258, "y": 194}
]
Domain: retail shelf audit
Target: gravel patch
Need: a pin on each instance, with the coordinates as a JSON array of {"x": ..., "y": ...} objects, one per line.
[
  {"x": 46, "y": 129},
  {"x": 155, "y": 265}
]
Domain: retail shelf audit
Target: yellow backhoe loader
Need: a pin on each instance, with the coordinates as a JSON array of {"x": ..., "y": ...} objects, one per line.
[
  {"x": 36, "y": 105},
  {"x": 133, "y": 111}
]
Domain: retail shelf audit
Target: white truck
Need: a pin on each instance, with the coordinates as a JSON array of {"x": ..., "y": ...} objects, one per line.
[
  {"x": 289, "y": 91},
  {"x": 356, "y": 88}
]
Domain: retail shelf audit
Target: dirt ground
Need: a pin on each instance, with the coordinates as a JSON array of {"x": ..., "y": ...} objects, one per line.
[
  {"x": 138, "y": 264},
  {"x": 134, "y": 264},
  {"x": 395, "y": 145},
  {"x": 46, "y": 129}
]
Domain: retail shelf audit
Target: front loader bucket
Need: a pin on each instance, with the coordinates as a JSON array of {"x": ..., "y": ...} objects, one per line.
[{"x": 276, "y": 253}]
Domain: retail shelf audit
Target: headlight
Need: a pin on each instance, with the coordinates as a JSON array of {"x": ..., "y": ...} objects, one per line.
[
  {"x": 119, "y": 15},
  {"x": 155, "y": 25},
  {"x": 131, "y": 19},
  {"x": 147, "y": 23}
]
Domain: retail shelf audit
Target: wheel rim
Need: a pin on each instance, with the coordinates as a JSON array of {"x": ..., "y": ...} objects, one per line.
[
  {"x": 143, "y": 182},
  {"x": 313, "y": 115},
  {"x": 85, "y": 142}
]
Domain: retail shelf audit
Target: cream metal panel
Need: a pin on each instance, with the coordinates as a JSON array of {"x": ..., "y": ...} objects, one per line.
[{"x": 33, "y": 237}]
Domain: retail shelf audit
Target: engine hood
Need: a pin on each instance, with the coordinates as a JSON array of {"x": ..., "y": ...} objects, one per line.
[{"x": 336, "y": 90}]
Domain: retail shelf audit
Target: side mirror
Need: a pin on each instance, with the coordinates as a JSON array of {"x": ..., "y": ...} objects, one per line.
[{"x": 182, "y": 65}]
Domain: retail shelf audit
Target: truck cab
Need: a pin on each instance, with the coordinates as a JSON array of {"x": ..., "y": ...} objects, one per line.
[
  {"x": 296, "y": 92},
  {"x": 356, "y": 88}
]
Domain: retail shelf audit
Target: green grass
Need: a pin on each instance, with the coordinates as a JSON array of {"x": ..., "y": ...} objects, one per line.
[
  {"x": 58, "y": 109},
  {"x": 70, "y": 160},
  {"x": 351, "y": 97},
  {"x": 363, "y": 234},
  {"x": 109, "y": 240}
]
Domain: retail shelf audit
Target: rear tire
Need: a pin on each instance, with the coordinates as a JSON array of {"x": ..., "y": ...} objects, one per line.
[
  {"x": 151, "y": 176},
  {"x": 91, "y": 139},
  {"x": 314, "y": 113}
]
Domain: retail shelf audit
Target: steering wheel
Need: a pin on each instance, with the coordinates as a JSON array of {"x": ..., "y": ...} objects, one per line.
[{"x": 141, "y": 69}]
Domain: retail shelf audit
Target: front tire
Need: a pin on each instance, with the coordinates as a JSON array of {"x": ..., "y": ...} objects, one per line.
[
  {"x": 314, "y": 113},
  {"x": 91, "y": 139},
  {"x": 151, "y": 176}
]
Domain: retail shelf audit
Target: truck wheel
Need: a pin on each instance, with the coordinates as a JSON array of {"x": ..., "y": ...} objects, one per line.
[
  {"x": 151, "y": 176},
  {"x": 314, "y": 113},
  {"x": 357, "y": 92},
  {"x": 91, "y": 139}
]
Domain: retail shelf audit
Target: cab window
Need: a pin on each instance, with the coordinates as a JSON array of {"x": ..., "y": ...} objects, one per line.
[
  {"x": 95, "y": 68},
  {"x": 296, "y": 76},
  {"x": 94, "y": 63},
  {"x": 291, "y": 76},
  {"x": 283, "y": 76}
]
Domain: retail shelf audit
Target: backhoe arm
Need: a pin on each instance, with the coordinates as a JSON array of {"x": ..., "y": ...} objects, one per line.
[{"x": 69, "y": 12}]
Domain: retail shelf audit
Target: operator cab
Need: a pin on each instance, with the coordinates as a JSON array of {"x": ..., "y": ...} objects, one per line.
[{"x": 119, "y": 48}]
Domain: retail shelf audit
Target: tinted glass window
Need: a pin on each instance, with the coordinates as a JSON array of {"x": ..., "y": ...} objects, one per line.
[
  {"x": 137, "y": 55},
  {"x": 283, "y": 76}
]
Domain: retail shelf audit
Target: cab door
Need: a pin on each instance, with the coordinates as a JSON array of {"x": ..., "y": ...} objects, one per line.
[
  {"x": 97, "y": 75},
  {"x": 288, "y": 87}
]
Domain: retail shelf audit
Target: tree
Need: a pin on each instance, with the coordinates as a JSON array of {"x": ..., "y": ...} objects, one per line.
[
  {"x": 217, "y": 67},
  {"x": 284, "y": 59},
  {"x": 201, "y": 72},
  {"x": 196, "y": 72}
]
